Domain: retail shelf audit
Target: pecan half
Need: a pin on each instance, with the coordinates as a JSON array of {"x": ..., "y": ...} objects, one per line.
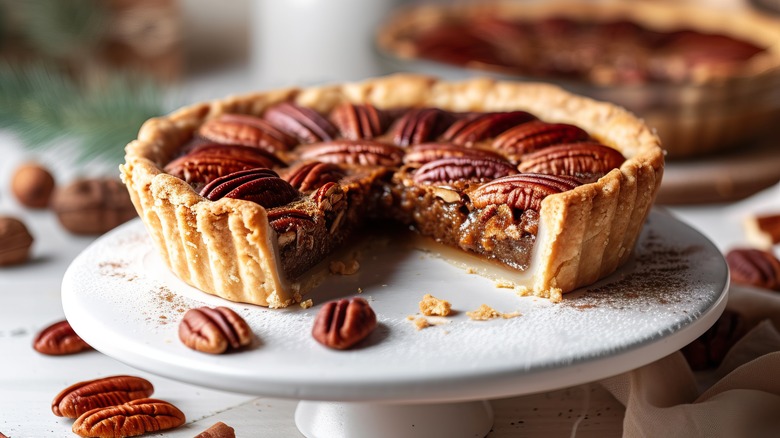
[
  {"x": 343, "y": 323},
  {"x": 536, "y": 134},
  {"x": 453, "y": 169},
  {"x": 419, "y": 125},
  {"x": 212, "y": 161},
  {"x": 217, "y": 430},
  {"x": 332, "y": 201},
  {"x": 359, "y": 121},
  {"x": 59, "y": 339},
  {"x": 477, "y": 127},
  {"x": 290, "y": 225},
  {"x": 427, "y": 152},
  {"x": 584, "y": 160},
  {"x": 77, "y": 399},
  {"x": 312, "y": 175},
  {"x": 130, "y": 419},
  {"x": 214, "y": 330},
  {"x": 303, "y": 123},
  {"x": 754, "y": 267},
  {"x": 524, "y": 191},
  {"x": 262, "y": 186},
  {"x": 361, "y": 152},
  {"x": 245, "y": 130}
]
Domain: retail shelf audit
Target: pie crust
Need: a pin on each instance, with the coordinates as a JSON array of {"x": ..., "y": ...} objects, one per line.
[{"x": 227, "y": 247}]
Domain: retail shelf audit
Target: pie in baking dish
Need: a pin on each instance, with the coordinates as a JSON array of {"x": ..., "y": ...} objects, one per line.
[{"x": 244, "y": 196}]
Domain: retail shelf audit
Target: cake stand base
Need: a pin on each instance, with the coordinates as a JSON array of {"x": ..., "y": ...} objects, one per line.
[{"x": 381, "y": 420}]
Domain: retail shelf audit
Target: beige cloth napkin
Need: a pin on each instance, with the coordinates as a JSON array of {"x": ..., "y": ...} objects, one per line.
[{"x": 739, "y": 399}]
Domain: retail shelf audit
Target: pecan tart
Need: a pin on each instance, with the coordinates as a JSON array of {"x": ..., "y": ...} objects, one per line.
[
  {"x": 707, "y": 79},
  {"x": 244, "y": 196}
]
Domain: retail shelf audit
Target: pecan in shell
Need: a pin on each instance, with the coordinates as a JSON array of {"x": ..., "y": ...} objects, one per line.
[
  {"x": 360, "y": 152},
  {"x": 130, "y": 419},
  {"x": 427, "y": 152},
  {"x": 312, "y": 175},
  {"x": 419, "y": 125},
  {"x": 754, "y": 267},
  {"x": 214, "y": 330},
  {"x": 81, "y": 397},
  {"x": 245, "y": 130},
  {"x": 343, "y": 323},
  {"x": 262, "y": 186},
  {"x": 305, "y": 124},
  {"x": 583, "y": 159},
  {"x": 453, "y": 169},
  {"x": 709, "y": 349},
  {"x": 524, "y": 191},
  {"x": 206, "y": 163},
  {"x": 477, "y": 127},
  {"x": 536, "y": 134},
  {"x": 59, "y": 339},
  {"x": 357, "y": 122}
]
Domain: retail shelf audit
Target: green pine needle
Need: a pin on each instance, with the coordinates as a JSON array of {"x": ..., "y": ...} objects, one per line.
[{"x": 43, "y": 105}]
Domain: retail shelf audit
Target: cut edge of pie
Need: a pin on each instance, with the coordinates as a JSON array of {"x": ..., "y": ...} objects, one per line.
[{"x": 227, "y": 247}]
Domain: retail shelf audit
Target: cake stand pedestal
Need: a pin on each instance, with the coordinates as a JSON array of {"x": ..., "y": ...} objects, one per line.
[{"x": 401, "y": 381}]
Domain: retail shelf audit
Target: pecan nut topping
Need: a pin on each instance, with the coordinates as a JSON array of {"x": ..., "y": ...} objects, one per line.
[
  {"x": 427, "y": 152},
  {"x": 77, "y": 399},
  {"x": 245, "y": 130},
  {"x": 480, "y": 126},
  {"x": 312, "y": 175},
  {"x": 754, "y": 267},
  {"x": 453, "y": 169},
  {"x": 343, "y": 323},
  {"x": 583, "y": 160},
  {"x": 536, "y": 134},
  {"x": 290, "y": 225},
  {"x": 211, "y": 161},
  {"x": 59, "y": 339},
  {"x": 332, "y": 201},
  {"x": 420, "y": 125},
  {"x": 261, "y": 186},
  {"x": 130, "y": 419},
  {"x": 360, "y": 152},
  {"x": 524, "y": 191},
  {"x": 357, "y": 122},
  {"x": 303, "y": 123},
  {"x": 214, "y": 330}
]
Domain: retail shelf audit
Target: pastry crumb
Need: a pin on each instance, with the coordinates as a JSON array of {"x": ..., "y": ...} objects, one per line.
[
  {"x": 432, "y": 306},
  {"x": 306, "y": 304},
  {"x": 421, "y": 323},
  {"x": 344, "y": 268},
  {"x": 486, "y": 312},
  {"x": 523, "y": 291},
  {"x": 411, "y": 317},
  {"x": 504, "y": 284},
  {"x": 471, "y": 270},
  {"x": 556, "y": 295},
  {"x": 297, "y": 297}
]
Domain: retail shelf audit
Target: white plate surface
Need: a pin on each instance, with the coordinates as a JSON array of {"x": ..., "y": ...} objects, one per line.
[{"x": 119, "y": 297}]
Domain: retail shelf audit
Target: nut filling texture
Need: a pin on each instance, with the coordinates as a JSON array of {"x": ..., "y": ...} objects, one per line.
[{"x": 472, "y": 178}]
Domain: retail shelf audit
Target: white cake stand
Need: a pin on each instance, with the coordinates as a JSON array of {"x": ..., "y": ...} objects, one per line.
[{"x": 401, "y": 381}]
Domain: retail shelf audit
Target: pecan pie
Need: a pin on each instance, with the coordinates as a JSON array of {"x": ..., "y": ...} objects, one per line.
[
  {"x": 706, "y": 79},
  {"x": 244, "y": 196}
]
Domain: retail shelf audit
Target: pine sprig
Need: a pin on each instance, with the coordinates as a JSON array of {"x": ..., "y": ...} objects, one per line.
[{"x": 42, "y": 105}]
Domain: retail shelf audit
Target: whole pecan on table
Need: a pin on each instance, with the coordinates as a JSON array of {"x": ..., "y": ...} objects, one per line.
[
  {"x": 754, "y": 267},
  {"x": 214, "y": 330},
  {"x": 133, "y": 418},
  {"x": 15, "y": 241},
  {"x": 342, "y": 324},
  {"x": 217, "y": 430},
  {"x": 59, "y": 339},
  {"x": 81, "y": 397},
  {"x": 709, "y": 349}
]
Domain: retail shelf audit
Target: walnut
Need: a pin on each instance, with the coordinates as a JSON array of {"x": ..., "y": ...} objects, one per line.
[{"x": 15, "y": 241}]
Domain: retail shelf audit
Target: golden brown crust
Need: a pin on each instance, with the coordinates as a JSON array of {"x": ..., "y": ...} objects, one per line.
[{"x": 226, "y": 247}]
